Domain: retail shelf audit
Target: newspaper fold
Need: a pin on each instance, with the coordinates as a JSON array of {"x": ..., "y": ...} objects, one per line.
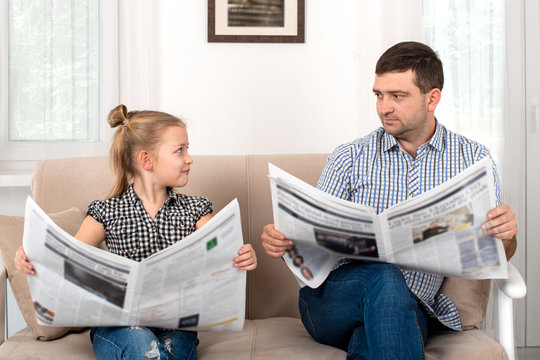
[
  {"x": 439, "y": 231},
  {"x": 189, "y": 285}
]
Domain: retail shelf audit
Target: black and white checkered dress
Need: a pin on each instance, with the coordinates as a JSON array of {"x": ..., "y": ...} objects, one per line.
[{"x": 131, "y": 232}]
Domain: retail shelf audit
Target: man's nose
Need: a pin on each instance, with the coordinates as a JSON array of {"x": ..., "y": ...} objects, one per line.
[{"x": 386, "y": 106}]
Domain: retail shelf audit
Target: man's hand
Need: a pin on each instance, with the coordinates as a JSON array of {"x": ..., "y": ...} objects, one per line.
[
  {"x": 502, "y": 224},
  {"x": 274, "y": 242}
]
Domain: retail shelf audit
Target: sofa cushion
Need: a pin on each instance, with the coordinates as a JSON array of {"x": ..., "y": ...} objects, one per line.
[
  {"x": 266, "y": 339},
  {"x": 464, "y": 345},
  {"x": 272, "y": 283},
  {"x": 470, "y": 297},
  {"x": 22, "y": 345},
  {"x": 10, "y": 240}
]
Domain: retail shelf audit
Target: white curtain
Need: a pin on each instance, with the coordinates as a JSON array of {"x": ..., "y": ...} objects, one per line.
[{"x": 469, "y": 37}]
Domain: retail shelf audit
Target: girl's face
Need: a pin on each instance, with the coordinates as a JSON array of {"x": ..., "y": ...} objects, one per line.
[{"x": 172, "y": 161}]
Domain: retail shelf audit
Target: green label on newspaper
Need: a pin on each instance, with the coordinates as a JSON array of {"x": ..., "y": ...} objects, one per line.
[{"x": 210, "y": 244}]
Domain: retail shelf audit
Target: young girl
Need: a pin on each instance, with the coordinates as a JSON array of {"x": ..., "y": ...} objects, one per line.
[{"x": 142, "y": 215}]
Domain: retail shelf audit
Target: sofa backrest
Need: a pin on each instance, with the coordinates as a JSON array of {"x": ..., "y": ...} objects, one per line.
[{"x": 271, "y": 289}]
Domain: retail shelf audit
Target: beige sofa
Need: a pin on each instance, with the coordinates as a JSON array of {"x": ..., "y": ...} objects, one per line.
[{"x": 272, "y": 329}]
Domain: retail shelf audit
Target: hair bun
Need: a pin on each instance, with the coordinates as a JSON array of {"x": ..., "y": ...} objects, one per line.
[{"x": 117, "y": 116}]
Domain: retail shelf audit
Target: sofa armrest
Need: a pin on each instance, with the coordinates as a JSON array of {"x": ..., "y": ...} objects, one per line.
[
  {"x": 506, "y": 291},
  {"x": 3, "y": 284},
  {"x": 513, "y": 287}
]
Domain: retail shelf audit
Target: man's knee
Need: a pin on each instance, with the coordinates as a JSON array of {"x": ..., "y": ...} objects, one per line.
[{"x": 383, "y": 280}]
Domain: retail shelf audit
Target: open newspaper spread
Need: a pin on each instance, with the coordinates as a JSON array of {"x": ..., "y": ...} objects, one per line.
[
  {"x": 439, "y": 231},
  {"x": 190, "y": 285}
]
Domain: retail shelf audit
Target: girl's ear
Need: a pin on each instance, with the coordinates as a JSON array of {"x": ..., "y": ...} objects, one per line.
[{"x": 144, "y": 159}]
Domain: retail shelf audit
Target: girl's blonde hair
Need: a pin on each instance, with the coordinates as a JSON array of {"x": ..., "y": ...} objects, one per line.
[{"x": 137, "y": 130}]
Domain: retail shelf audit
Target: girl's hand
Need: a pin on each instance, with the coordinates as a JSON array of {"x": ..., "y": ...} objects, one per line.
[
  {"x": 22, "y": 264},
  {"x": 246, "y": 259}
]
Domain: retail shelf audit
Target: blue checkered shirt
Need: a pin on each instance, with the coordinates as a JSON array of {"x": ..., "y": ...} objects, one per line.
[{"x": 375, "y": 171}]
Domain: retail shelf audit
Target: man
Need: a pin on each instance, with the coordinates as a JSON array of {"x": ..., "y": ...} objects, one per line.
[{"x": 374, "y": 310}]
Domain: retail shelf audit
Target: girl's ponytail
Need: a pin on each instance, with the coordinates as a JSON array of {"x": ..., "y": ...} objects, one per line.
[{"x": 119, "y": 152}]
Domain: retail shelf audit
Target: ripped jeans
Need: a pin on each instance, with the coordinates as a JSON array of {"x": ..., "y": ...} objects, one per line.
[{"x": 137, "y": 342}]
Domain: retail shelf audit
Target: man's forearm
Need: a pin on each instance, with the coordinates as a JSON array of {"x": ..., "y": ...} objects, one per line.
[{"x": 510, "y": 247}]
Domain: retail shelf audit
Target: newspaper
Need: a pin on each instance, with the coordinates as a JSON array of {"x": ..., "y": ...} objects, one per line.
[
  {"x": 190, "y": 285},
  {"x": 437, "y": 232}
]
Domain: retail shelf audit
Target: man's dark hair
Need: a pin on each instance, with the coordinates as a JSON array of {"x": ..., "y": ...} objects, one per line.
[{"x": 415, "y": 56}]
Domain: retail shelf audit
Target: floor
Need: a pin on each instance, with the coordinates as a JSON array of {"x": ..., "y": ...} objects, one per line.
[{"x": 529, "y": 353}]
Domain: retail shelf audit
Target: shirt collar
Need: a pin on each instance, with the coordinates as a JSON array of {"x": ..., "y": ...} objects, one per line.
[
  {"x": 132, "y": 196},
  {"x": 436, "y": 141}
]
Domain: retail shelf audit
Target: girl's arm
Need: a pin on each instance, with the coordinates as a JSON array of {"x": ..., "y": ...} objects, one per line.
[
  {"x": 91, "y": 232},
  {"x": 203, "y": 220}
]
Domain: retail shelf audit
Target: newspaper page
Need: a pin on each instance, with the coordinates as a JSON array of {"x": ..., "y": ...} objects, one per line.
[
  {"x": 439, "y": 231},
  {"x": 190, "y": 285}
]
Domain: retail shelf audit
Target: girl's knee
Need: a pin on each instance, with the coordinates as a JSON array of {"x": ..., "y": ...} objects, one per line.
[{"x": 125, "y": 343}]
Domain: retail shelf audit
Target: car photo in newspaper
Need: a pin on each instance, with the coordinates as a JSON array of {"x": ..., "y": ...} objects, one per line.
[
  {"x": 190, "y": 285},
  {"x": 438, "y": 231}
]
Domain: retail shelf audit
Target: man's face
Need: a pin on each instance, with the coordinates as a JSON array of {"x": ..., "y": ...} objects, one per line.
[{"x": 402, "y": 107}]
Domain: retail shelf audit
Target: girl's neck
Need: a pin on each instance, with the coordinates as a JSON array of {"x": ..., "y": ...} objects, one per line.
[{"x": 152, "y": 196}]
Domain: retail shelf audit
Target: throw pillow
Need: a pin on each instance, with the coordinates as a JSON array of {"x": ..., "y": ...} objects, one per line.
[
  {"x": 470, "y": 297},
  {"x": 10, "y": 240}
]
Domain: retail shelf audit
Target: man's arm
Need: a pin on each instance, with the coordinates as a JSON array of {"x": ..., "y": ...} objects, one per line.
[{"x": 502, "y": 224}]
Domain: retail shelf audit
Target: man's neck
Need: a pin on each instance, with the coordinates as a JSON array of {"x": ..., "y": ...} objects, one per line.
[{"x": 412, "y": 143}]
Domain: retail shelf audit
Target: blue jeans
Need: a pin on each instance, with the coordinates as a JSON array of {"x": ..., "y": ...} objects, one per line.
[
  {"x": 366, "y": 309},
  {"x": 143, "y": 343}
]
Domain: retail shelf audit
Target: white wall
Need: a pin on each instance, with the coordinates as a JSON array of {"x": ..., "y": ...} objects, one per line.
[{"x": 243, "y": 98}]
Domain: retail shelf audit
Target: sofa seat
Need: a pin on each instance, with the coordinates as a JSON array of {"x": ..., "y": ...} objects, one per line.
[{"x": 261, "y": 339}]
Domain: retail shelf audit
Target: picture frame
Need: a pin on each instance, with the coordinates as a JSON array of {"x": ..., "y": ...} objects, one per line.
[{"x": 278, "y": 21}]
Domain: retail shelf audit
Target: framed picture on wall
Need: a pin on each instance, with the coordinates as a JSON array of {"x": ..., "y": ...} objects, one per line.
[{"x": 256, "y": 21}]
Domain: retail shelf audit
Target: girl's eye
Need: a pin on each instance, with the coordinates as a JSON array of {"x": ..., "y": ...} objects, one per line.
[{"x": 181, "y": 150}]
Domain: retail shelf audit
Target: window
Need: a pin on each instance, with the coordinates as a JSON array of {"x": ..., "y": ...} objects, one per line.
[
  {"x": 58, "y": 73},
  {"x": 469, "y": 37}
]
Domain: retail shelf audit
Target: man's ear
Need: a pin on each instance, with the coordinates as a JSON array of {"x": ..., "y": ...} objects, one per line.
[
  {"x": 432, "y": 99},
  {"x": 144, "y": 159}
]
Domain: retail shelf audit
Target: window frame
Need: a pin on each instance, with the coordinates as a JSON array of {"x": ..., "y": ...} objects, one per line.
[{"x": 22, "y": 155}]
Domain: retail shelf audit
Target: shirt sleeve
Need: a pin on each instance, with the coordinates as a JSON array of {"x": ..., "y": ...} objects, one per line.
[
  {"x": 498, "y": 188},
  {"x": 96, "y": 210},
  {"x": 336, "y": 176},
  {"x": 203, "y": 207}
]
